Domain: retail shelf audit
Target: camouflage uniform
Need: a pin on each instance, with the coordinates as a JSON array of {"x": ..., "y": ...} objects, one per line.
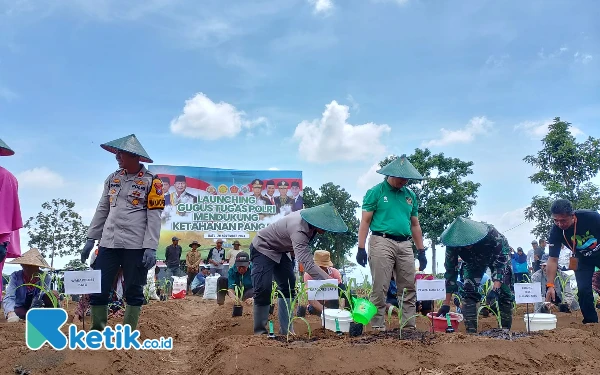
[{"x": 493, "y": 252}]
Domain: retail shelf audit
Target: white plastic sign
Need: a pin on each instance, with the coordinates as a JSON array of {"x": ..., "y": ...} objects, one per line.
[
  {"x": 82, "y": 282},
  {"x": 431, "y": 289},
  {"x": 317, "y": 290},
  {"x": 528, "y": 292}
]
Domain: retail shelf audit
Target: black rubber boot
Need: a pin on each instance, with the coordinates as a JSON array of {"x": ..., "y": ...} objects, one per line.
[
  {"x": 99, "y": 317},
  {"x": 506, "y": 312},
  {"x": 261, "y": 318},
  {"x": 470, "y": 314}
]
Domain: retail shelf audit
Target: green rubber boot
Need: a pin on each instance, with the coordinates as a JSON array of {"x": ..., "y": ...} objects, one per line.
[
  {"x": 99, "y": 317},
  {"x": 131, "y": 316}
]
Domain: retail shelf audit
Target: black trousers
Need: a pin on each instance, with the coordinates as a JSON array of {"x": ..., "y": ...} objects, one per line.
[
  {"x": 264, "y": 270},
  {"x": 108, "y": 262}
]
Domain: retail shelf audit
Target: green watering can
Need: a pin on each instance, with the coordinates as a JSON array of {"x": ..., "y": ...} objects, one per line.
[{"x": 363, "y": 311}]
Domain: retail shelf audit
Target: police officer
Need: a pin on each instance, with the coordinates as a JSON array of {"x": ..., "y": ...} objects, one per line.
[
  {"x": 270, "y": 259},
  {"x": 390, "y": 211},
  {"x": 480, "y": 246},
  {"x": 127, "y": 224}
]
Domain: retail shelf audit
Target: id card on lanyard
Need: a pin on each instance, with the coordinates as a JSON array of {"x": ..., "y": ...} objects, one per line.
[{"x": 573, "y": 261}]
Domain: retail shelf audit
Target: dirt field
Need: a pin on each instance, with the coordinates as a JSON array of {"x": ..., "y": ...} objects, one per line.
[{"x": 207, "y": 340}]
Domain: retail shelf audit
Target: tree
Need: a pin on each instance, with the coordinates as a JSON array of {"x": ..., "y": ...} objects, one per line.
[
  {"x": 75, "y": 265},
  {"x": 565, "y": 169},
  {"x": 338, "y": 244},
  {"x": 443, "y": 195},
  {"x": 58, "y": 230}
]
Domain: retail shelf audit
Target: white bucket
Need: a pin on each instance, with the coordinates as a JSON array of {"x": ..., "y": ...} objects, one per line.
[
  {"x": 539, "y": 321},
  {"x": 343, "y": 316}
]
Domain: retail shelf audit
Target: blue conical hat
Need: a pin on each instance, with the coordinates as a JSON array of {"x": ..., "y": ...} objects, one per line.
[
  {"x": 402, "y": 168},
  {"x": 5, "y": 150},
  {"x": 128, "y": 144},
  {"x": 325, "y": 217},
  {"x": 464, "y": 232}
]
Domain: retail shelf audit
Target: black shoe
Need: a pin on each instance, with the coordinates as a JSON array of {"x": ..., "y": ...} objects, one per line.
[{"x": 221, "y": 297}]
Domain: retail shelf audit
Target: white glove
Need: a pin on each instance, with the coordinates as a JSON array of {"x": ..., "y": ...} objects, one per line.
[{"x": 12, "y": 317}]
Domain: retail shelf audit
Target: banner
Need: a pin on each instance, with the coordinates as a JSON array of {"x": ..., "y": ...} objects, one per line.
[{"x": 206, "y": 204}]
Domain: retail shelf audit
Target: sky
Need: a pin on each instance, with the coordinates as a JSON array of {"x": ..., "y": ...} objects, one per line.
[{"x": 327, "y": 87}]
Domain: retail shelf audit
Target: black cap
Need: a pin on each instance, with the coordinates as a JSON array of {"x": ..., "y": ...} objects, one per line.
[
  {"x": 295, "y": 183},
  {"x": 270, "y": 182},
  {"x": 242, "y": 259},
  {"x": 283, "y": 184},
  {"x": 180, "y": 178}
]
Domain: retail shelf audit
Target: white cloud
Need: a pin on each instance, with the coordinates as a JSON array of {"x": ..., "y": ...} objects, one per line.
[
  {"x": 273, "y": 169},
  {"x": 370, "y": 177},
  {"x": 583, "y": 58},
  {"x": 476, "y": 126},
  {"x": 41, "y": 177},
  {"x": 554, "y": 54},
  {"x": 494, "y": 61},
  {"x": 332, "y": 138},
  {"x": 539, "y": 129},
  {"x": 322, "y": 6},
  {"x": 354, "y": 104},
  {"x": 399, "y": 2},
  {"x": 7, "y": 94},
  {"x": 512, "y": 225},
  {"x": 204, "y": 119}
]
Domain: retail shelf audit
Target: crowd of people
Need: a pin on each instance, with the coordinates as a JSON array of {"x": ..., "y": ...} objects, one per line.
[{"x": 126, "y": 228}]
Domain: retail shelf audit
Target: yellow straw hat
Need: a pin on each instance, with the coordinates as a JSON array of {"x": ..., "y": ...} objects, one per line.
[{"x": 31, "y": 258}]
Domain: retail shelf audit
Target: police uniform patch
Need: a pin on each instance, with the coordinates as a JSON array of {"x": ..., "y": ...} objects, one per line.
[
  {"x": 116, "y": 180},
  {"x": 409, "y": 200},
  {"x": 156, "y": 199},
  {"x": 140, "y": 182},
  {"x": 113, "y": 191},
  {"x": 141, "y": 174},
  {"x": 135, "y": 202}
]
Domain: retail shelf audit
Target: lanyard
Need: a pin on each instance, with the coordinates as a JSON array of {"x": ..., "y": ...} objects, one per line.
[{"x": 574, "y": 241}]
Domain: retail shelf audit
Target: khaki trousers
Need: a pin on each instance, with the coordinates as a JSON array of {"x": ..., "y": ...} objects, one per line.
[{"x": 386, "y": 258}]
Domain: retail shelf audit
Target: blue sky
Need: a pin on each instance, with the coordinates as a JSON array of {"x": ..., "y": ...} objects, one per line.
[{"x": 328, "y": 87}]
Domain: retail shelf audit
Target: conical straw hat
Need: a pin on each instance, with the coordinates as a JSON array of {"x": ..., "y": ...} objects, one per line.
[
  {"x": 325, "y": 217},
  {"x": 5, "y": 150},
  {"x": 402, "y": 168},
  {"x": 31, "y": 258},
  {"x": 129, "y": 144},
  {"x": 464, "y": 232}
]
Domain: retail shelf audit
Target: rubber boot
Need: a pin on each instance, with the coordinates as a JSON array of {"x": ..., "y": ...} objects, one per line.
[
  {"x": 99, "y": 317},
  {"x": 283, "y": 315},
  {"x": 506, "y": 312},
  {"x": 261, "y": 318},
  {"x": 131, "y": 316},
  {"x": 470, "y": 315}
]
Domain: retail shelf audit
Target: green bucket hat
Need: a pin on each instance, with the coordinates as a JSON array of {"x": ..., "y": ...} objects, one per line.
[
  {"x": 402, "y": 168},
  {"x": 325, "y": 217},
  {"x": 128, "y": 144},
  {"x": 5, "y": 150},
  {"x": 464, "y": 232}
]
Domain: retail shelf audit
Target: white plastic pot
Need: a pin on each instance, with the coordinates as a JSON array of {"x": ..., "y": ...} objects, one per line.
[
  {"x": 343, "y": 316},
  {"x": 539, "y": 321}
]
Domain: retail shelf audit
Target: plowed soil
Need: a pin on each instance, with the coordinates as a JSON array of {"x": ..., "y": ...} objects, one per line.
[{"x": 207, "y": 340}]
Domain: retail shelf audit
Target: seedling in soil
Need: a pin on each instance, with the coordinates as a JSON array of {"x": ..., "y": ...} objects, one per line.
[
  {"x": 273, "y": 297},
  {"x": 302, "y": 293},
  {"x": 43, "y": 289},
  {"x": 491, "y": 309},
  {"x": 402, "y": 323},
  {"x": 291, "y": 307}
]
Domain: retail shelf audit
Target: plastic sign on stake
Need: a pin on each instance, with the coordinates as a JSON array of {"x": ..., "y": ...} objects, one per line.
[
  {"x": 322, "y": 290},
  {"x": 82, "y": 282},
  {"x": 528, "y": 292},
  {"x": 431, "y": 289}
]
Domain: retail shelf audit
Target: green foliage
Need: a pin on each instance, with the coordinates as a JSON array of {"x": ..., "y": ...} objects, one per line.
[
  {"x": 338, "y": 244},
  {"x": 565, "y": 169},
  {"x": 56, "y": 231},
  {"x": 445, "y": 194},
  {"x": 75, "y": 265},
  {"x": 48, "y": 292}
]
